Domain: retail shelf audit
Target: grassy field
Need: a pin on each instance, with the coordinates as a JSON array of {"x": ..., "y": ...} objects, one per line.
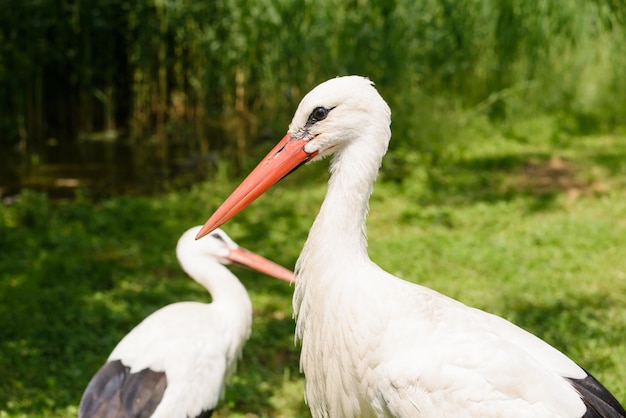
[{"x": 528, "y": 227}]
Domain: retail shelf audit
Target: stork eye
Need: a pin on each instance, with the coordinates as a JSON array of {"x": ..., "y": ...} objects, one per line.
[
  {"x": 217, "y": 236},
  {"x": 318, "y": 114}
]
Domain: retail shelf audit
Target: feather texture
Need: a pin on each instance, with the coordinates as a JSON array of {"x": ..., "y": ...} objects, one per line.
[{"x": 115, "y": 392}]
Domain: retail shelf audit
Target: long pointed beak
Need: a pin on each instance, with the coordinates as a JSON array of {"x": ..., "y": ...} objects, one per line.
[
  {"x": 285, "y": 157},
  {"x": 254, "y": 261}
]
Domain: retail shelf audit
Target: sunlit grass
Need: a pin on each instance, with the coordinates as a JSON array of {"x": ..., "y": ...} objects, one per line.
[{"x": 478, "y": 227}]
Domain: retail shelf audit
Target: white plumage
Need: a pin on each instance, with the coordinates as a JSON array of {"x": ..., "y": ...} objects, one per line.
[
  {"x": 176, "y": 362},
  {"x": 374, "y": 345}
]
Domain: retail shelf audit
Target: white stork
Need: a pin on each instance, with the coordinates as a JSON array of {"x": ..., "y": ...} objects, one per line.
[
  {"x": 374, "y": 345},
  {"x": 175, "y": 363}
]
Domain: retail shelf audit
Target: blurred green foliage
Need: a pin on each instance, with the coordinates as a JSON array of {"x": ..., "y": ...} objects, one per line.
[{"x": 195, "y": 68}]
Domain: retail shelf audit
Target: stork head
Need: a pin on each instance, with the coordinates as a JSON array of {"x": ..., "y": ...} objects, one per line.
[
  {"x": 220, "y": 247},
  {"x": 337, "y": 112},
  {"x": 329, "y": 118}
]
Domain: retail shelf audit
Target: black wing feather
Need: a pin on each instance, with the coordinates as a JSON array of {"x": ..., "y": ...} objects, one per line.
[
  {"x": 205, "y": 414},
  {"x": 114, "y": 392},
  {"x": 599, "y": 401}
]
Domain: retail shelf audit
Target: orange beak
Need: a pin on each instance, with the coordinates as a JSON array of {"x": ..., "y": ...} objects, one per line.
[
  {"x": 284, "y": 158},
  {"x": 253, "y": 261}
]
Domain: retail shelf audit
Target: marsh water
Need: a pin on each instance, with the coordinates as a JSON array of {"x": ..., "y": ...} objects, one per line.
[{"x": 104, "y": 166}]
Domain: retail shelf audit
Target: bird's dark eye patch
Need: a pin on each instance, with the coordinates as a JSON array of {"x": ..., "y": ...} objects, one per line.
[
  {"x": 318, "y": 114},
  {"x": 217, "y": 236}
]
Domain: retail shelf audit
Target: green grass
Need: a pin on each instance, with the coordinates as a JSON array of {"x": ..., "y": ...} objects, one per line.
[{"x": 519, "y": 220}]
